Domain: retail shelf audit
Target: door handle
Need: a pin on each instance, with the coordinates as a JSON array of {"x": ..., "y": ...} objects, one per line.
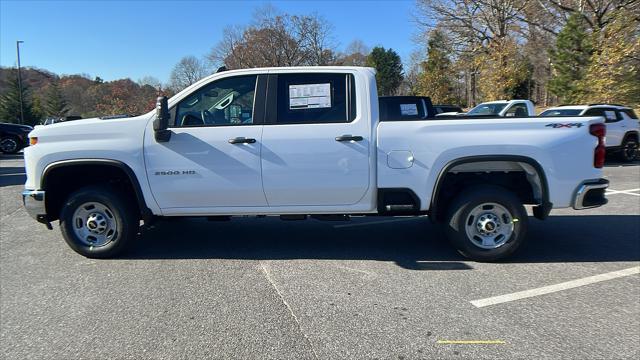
[
  {"x": 242, "y": 140},
  {"x": 349, "y": 138}
]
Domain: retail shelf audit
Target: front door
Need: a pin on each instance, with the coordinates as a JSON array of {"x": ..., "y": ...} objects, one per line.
[
  {"x": 213, "y": 157},
  {"x": 315, "y": 144}
]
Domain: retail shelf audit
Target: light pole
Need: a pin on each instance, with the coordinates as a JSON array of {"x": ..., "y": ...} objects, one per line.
[{"x": 20, "y": 81}]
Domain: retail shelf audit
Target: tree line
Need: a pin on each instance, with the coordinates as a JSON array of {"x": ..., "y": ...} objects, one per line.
[
  {"x": 549, "y": 51},
  {"x": 46, "y": 95}
]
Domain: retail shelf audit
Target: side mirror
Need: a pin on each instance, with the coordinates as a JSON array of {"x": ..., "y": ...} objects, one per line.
[{"x": 161, "y": 123}]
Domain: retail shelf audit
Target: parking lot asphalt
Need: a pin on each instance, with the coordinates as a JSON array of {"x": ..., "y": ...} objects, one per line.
[{"x": 387, "y": 288}]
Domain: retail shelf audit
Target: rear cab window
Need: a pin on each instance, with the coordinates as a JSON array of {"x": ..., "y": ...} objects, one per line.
[
  {"x": 561, "y": 112},
  {"x": 402, "y": 108},
  {"x": 517, "y": 110}
]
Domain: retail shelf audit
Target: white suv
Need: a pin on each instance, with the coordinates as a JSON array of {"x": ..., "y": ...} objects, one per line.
[{"x": 623, "y": 126}]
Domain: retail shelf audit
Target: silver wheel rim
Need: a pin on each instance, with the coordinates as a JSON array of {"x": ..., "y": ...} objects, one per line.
[
  {"x": 8, "y": 145},
  {"x": 94, "y": 224},
  {"x": 489, "y": 226}
]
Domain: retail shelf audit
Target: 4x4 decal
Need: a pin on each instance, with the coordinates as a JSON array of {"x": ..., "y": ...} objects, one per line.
[{"x": 565, "y": 125}]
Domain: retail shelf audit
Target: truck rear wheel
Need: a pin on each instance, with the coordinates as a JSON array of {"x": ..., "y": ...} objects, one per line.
[
  {"x": 486, "y": 223},
  {"x": 98, "y": 221}
]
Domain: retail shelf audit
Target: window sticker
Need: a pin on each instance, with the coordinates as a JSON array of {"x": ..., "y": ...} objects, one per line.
[
  {"x": 408, "y": 109},
  {"x": 309, "y": 96},
  {"x": 610, "y": 115}
]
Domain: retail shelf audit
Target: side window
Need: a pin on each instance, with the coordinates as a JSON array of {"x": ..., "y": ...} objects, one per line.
[
  {"x": 226, "y": 101},
  {"x": 629, "y": 113},
  {"x": 315, "y": 98},
  {"x": 399, "y": 109},
  {"x": 594, "y": 112},
  {"x": 611, "y": 115},
  {"x": 517, "y": 110}
]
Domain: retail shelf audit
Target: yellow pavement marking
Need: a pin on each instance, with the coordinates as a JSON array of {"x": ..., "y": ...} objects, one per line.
[{"x": 472, "y": 342}]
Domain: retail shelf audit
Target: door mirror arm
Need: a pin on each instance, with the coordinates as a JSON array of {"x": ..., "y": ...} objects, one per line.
[{"x": 161, "y": 122}]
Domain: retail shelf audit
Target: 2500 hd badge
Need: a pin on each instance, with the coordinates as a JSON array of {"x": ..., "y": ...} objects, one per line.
[{"x": 176, "y": 172}]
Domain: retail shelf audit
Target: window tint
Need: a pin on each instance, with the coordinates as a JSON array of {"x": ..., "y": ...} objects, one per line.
[
  {"x": 487, "y": 109},
  {"x": 561, "y": 112},
  {"x": 315, "y": 98},
  {"x": 630, "y": 113},
  {"x": 594, "y": 112},
  {"x": 227, "y": 101},
  {"x": 439, "y": 109},
  {"x": 610, "y": 115},
  {"x": 517, "y": 110},
  {"x": 401, "y": 108}
]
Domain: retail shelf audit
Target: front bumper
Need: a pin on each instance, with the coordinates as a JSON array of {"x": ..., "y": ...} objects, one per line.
[
  {"x": 33, "y": 201},
  {"x": 590, "y": 194}
]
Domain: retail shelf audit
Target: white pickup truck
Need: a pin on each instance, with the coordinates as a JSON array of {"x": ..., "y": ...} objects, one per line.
[
  {"x": 308, "y": 141},
  {"x": 504, "y": 108}
]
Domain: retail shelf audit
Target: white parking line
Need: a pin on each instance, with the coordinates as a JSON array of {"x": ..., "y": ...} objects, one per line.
[
  {"x": 377, "y": 222},
  {"x": 555, "y": 288},
  {"x": 626, "y": 192}
]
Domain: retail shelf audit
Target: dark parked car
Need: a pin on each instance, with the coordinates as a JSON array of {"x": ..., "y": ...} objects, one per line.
[{"x": 13, "y": 137}]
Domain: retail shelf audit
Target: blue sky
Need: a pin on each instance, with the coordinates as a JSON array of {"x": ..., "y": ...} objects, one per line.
[{"x": 133, "y": 39}]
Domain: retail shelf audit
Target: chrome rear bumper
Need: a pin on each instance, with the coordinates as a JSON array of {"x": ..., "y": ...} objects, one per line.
[{"x": 590, "y": 194}]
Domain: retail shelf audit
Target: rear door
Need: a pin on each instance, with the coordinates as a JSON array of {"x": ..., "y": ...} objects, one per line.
[{"x": 315, "y": 142}]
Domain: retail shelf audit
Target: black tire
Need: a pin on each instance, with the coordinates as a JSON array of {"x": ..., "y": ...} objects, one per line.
[
  {"x": 121, "y": 209},
  {"x": 462, "y": 206},
  {"x": 10, "y": 145},
  {"x": 629, "y": 149}
]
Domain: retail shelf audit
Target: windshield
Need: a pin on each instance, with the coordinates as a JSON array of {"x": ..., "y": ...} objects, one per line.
[
  {"x": 561, "y": 112},
  {"x": 487, "y": 109}
]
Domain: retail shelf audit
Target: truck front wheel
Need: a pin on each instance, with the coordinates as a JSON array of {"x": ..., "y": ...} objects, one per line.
[
  {"x": 486, "y": 223},
  {"x": 98, "y": 221}
]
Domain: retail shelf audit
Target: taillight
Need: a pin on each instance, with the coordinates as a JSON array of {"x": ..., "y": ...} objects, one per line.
[{"x": 599, "y": 131}]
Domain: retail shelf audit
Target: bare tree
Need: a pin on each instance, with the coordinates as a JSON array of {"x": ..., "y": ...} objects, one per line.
[
  {"x": 316, "y": 34},
  {"x": 228, "y": 47},
  {"x": 355, "y": 54},
  {"x": 276, "y": 40},
  {"x": 186, "y": 72},
  {"x": 474, "y": 22},
  {"x": 150, "y": 81},
  {"x": 597, "y": 13}
]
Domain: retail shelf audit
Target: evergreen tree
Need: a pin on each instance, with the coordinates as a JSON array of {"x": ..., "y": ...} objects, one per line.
[
  {"x": 436, "y": 78},
  {"x": 10, "y": 102},
  {"x": 388, "y": 69},
  {"x": 570, "y": 58},
  {"x": 55, "y": 104}
]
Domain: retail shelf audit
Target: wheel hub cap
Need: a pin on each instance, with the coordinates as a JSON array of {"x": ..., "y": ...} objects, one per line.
[
  {"x": 97, "y": 223},
  {"x": 489, "y": 226},
  {"x": 94, "y": 224}
]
